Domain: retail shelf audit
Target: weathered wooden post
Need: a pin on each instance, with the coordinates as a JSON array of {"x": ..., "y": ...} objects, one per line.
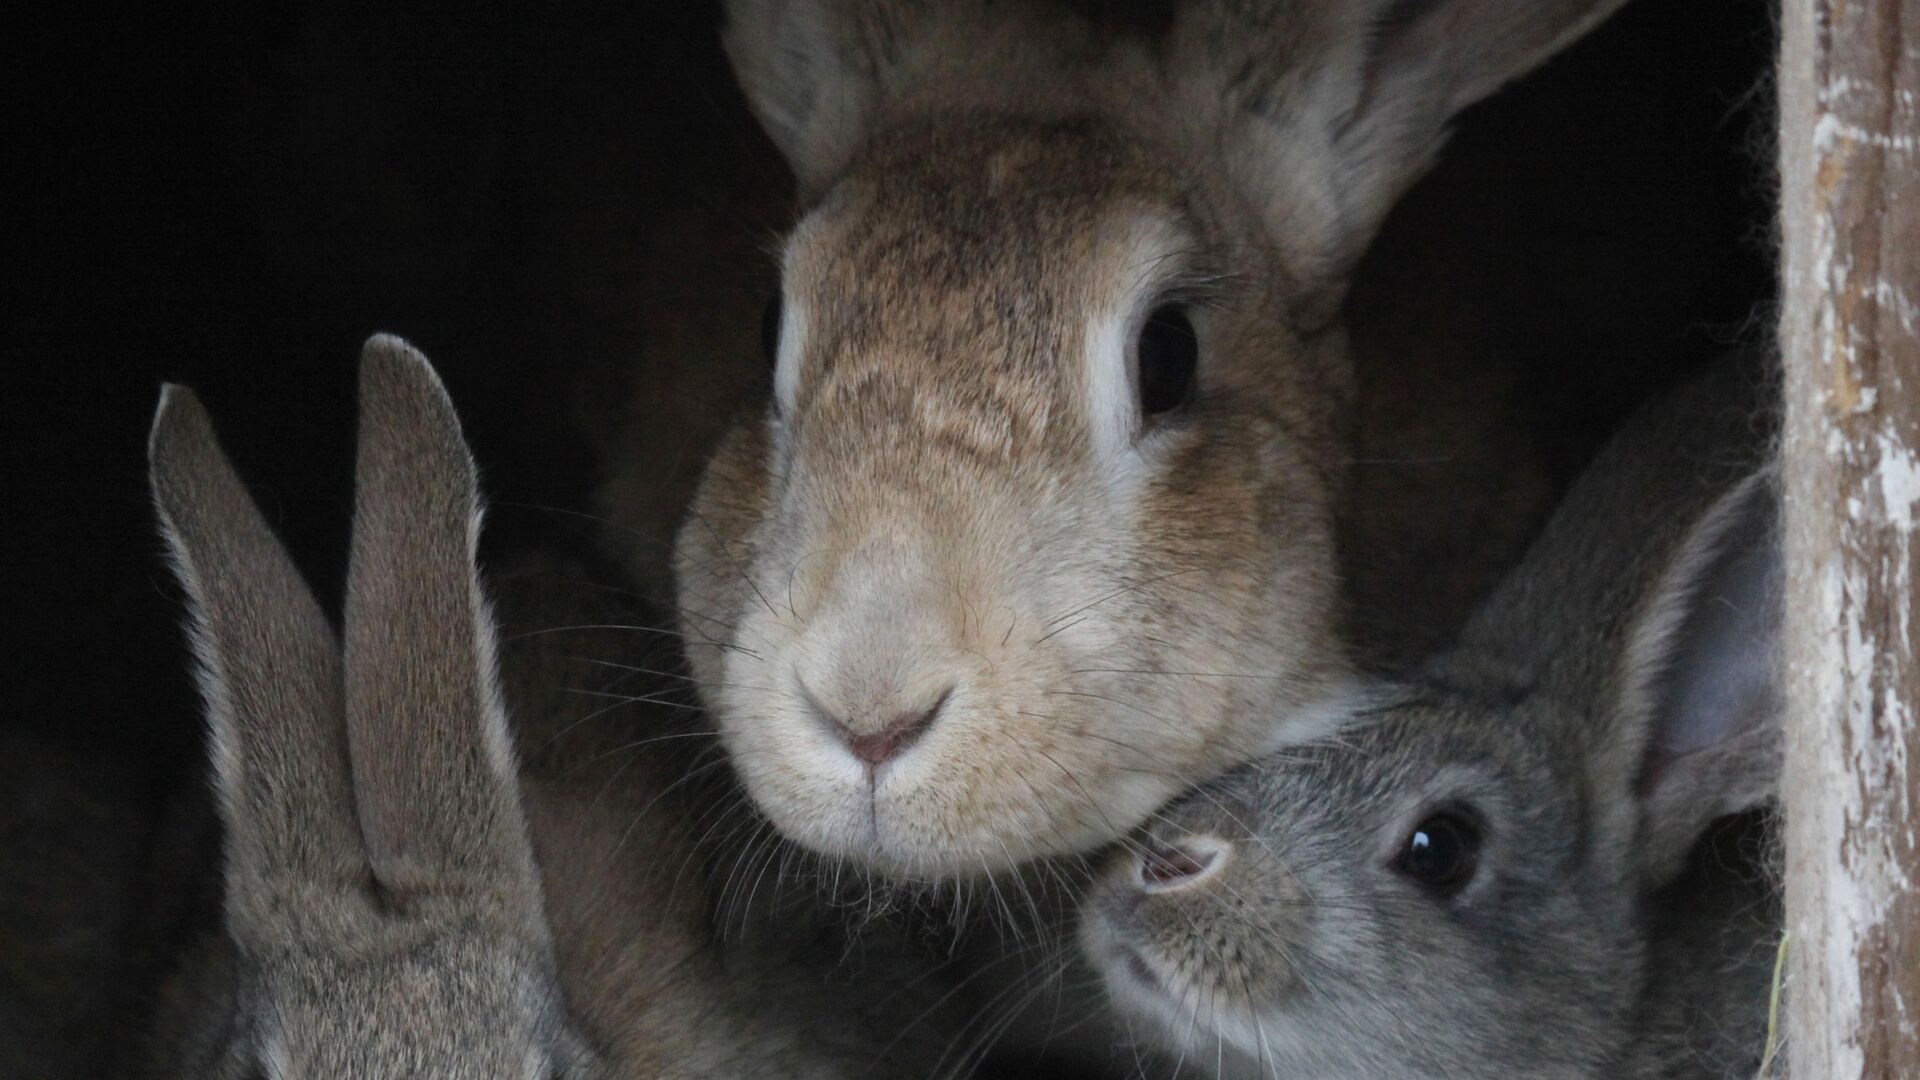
[{"x": 1850, "y": 330}]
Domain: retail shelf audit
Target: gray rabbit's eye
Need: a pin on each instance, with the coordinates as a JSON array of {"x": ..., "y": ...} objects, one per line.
[
  {"x": 1441, "y": 853},
  {"x": 1167, "y": 353}
]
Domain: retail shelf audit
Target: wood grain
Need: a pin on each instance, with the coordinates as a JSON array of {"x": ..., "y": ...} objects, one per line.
[{"x": 1850, "y": 334}]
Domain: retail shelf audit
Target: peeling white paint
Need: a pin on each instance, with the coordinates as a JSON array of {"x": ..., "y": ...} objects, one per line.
[
  {"x": 1841, "y": 904},
  {"x": 1857, "y": 674},
  {"x": 1845, "y": 668},
  {"x": 1853, "y": 505},
  {"x": 1831, "y": 131},
  {"x": 1898, "y": 475},
  {"x": 1891, "y": 297}
]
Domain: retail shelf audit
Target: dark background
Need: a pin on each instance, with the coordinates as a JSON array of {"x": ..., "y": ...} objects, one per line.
[{"x": 567, "y": 209}]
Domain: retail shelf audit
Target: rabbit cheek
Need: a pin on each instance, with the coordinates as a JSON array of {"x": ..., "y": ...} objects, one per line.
[{"x": 725, "y": 528}]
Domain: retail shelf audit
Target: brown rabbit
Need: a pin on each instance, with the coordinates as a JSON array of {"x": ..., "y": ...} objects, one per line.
[
  {"x": 1037, "y": 527},
  {"x": 398, "y": 903}
]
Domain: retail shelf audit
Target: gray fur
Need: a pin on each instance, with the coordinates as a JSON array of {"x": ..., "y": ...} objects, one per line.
[
  {"x": 376, "y": 859},
  {"x": 400, "y": 900},
  {"x": 1609, "y": 702}
]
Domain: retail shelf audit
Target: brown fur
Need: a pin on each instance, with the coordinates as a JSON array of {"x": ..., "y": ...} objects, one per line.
[{"x": 944, "y": 502}]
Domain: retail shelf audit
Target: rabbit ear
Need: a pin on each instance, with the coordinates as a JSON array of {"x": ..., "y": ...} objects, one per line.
[
  {"x": 1700, "y": 694},
  {"x": 815, "y": 70},
  {"x": 270, "y": 674},
  {"x": 433, "y": 767},
  {"x": 1335, "y": 107}
]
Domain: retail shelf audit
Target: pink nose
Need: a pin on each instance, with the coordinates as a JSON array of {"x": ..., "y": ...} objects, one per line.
[
  {"x": 874, "y": 747},
  {"x": 1165, "y": 867}
]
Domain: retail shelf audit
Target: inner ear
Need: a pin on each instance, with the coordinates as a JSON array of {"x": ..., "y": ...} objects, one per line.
[
  {"x": 1717, "y": 677},
  {"x": 1702, "y": 672}
]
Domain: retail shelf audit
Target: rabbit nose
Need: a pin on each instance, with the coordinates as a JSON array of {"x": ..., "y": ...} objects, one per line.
[
  {"x": 1169, "y": 866},
  {"x": 875, "y": 747}
]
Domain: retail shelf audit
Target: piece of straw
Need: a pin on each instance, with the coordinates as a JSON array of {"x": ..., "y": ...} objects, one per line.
[{"x": 1773, "y": 1008}]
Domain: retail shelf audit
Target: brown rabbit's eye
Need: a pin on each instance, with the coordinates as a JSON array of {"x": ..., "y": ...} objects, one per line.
[
  {"x": 1168, "y": 351},
  {"x": 1441, "y": 853},
  {"x": 770, "y": 331}
]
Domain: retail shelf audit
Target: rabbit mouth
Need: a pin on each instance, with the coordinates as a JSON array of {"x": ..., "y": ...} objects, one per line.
[
  {"x": 1155, "y": 990},
  {"x": 964, "y": 799},
  {"x": 1134, "y": 980},
  {"x": 1146, "y": 983}
]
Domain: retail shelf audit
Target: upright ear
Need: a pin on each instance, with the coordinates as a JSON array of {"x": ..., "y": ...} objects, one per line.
[
  {"x": 433, "y": 767},
  {"x": 1335, "y": 107},
  {"x": 815, "y": 71},
  {"x": 270, "y": 676},
  {"x": 1700, "y": 690}
]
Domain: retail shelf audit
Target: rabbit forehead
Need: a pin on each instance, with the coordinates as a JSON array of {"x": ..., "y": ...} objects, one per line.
[
  {"x": 987, "y": 208},
  {"x": 972, "y": 280},
  {"x": 1379, "y": 770},
  {"x": 958, "y": 169}
]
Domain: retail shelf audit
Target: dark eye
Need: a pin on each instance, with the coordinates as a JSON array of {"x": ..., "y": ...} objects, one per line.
[
  {"x": 770, "y": 331},
  {"x": 1168, "y": 351},
  {"x": 1441, "y": 853}
]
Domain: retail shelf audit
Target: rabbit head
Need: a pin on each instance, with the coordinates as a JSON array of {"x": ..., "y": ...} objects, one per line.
[
  {"x": 383, "y": 913},
  {"x": 1456, "y": 884},
  {"x": 1036, "y": 528}
]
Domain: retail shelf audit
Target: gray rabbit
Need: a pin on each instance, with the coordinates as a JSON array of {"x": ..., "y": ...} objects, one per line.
[
  {"x": 398, "y": 902},
  {"x": 1482, "y": 875}
]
